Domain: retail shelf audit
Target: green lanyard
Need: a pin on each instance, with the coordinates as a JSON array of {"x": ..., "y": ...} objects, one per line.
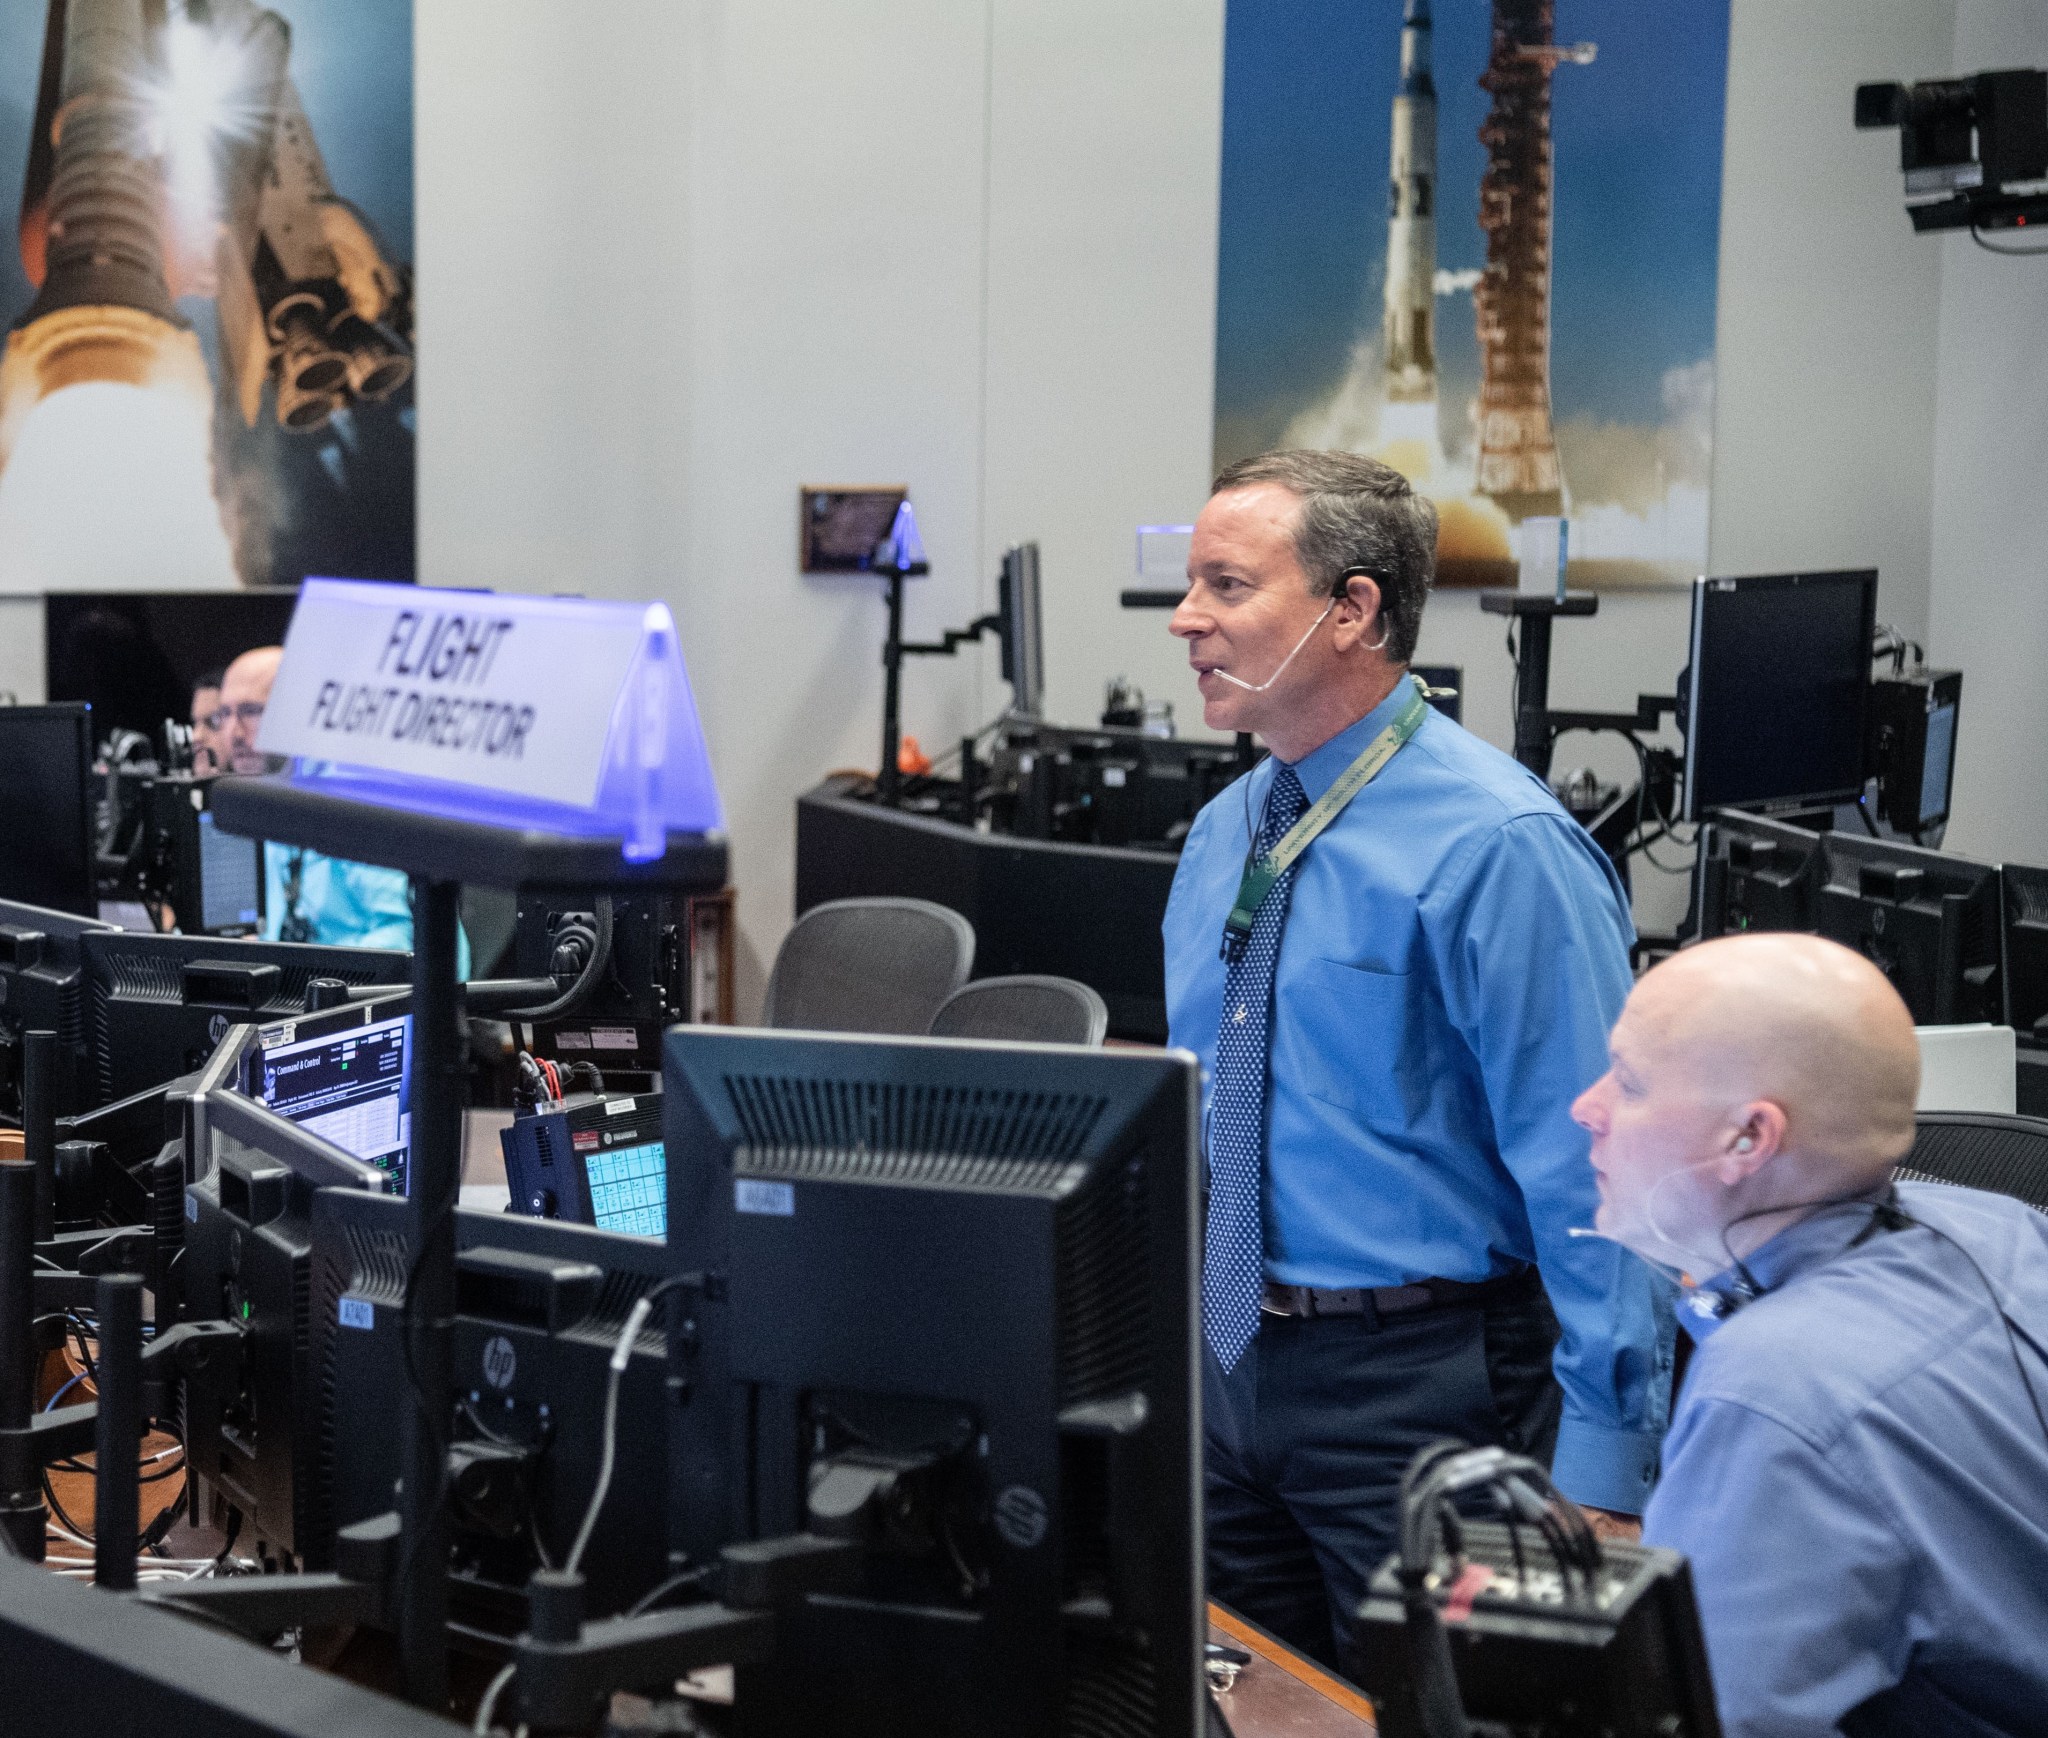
[{"x": 1260, "y": 875}]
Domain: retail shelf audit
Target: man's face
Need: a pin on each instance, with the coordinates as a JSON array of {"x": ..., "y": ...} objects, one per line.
[
  {"x": 1248, "y": 605},
  {"x": 1657, "y": 1131},
  {"x": 243, "y": 696},
  {"x": 206, "y": 736}
]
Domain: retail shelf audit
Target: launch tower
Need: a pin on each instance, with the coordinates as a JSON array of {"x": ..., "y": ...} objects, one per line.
[{"x": 1518, "y": 464}]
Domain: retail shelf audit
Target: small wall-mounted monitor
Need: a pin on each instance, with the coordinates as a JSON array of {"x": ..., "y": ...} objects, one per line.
[
  {"x": 1023, "y": 632},
  {"x": 1778, "y": 691}
]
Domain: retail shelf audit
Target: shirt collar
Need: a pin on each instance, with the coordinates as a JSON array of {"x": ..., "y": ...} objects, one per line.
[
  {"x": 1811, "y": 1242},
  {"x": 1319, "y": 769}
]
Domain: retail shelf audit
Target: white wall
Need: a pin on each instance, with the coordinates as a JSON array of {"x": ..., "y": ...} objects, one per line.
[
  {"x": 677, "y": 260},
  {"x": 1990, "y": 615}
]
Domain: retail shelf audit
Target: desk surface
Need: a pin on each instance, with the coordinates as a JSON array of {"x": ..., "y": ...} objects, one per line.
[{"x": 1282, "y": 1695}]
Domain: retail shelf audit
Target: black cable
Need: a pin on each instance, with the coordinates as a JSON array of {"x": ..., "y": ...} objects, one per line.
[
  {"x": 586, "y": 979},
  {"x": 57, "y": 1509},
  {"x": 1889, "y": 1214},
  {"x": 1977, "y": 236},
  {"x": 234, "y": 1532}
]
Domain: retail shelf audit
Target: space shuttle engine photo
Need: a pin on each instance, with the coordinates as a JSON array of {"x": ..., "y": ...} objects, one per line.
[{"x": 170, "y": 160}]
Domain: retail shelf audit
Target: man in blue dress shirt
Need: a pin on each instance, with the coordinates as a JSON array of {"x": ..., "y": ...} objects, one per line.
[
  {"x": 1858, "y": 1465},
  {"x": 307, "y": 895},
  {"x": 1389, "y": 1056}
]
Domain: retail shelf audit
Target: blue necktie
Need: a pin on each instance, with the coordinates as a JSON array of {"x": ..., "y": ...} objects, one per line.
[{"x": 1234, "y": 1252}]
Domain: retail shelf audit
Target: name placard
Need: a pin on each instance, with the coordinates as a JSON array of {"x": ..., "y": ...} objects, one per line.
[{"x": 504, "y": 693}]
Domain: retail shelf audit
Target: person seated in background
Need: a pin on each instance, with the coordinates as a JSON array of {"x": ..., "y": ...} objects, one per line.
[
  {"x": 308, "y": 896},
  {"x": 208, "y": 732},
  {"x": 1858, "y": 1459}
]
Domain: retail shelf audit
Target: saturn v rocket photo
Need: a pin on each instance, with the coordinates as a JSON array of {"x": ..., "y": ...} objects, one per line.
[{"x": 1407, "y": 334}]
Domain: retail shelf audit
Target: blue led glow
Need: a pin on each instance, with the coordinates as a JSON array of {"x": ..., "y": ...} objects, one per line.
[{"x": 656, "y": 774}]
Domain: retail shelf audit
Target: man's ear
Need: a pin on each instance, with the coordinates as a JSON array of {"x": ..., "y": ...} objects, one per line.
[
  {"x": 1752, "y": 1138},
  {"x": 1356, "y": 617}
]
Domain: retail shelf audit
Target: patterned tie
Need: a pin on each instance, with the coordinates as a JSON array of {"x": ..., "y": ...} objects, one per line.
[{"x": 1234, "y": 1254}]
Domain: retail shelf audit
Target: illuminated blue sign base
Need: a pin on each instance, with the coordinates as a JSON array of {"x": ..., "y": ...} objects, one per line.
[{"x": 451, "y": 833}]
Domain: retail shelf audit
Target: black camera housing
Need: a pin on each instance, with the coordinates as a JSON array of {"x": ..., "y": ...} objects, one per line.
[{"x": 1963, "y": 142}]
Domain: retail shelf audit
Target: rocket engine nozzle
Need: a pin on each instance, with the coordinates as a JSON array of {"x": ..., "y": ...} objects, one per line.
[
  {"x": 378, "y": 361},
  {"x": 307, "y": 363}
]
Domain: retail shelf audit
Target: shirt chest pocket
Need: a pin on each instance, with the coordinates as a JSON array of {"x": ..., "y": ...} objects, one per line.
[{"x": 1358, "y": 1038}]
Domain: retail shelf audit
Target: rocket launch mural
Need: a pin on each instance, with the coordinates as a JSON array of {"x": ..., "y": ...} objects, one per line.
[
  {"x": 207, "y": 372},
  {"x": 1508, "y": 293}
]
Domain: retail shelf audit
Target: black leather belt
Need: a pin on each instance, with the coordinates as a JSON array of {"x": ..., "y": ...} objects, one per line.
[{"x": 1307, "y": 1302}]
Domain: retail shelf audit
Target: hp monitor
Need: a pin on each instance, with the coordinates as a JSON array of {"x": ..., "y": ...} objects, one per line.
[
  {"x": 539, "y": 1310},
  {"x": 248, "y": 1241},
  {"x": 1931, "y": 922},
  {"x": 954, "y": 1323},
  {"x": 42, "y": 990},
  {"x": 1754, "y": 873},
  {"x": 158, "y": 1004},
  {"x": 2026, "y": 952},
  {"x": 1776, "y": 698}
]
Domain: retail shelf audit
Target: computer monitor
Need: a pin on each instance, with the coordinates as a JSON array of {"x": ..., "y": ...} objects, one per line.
[
  {"x": 42, "y": 989},
  {"x": 539, "y": 1306},
  {"x": 46, "y": 808},
  {"x": 2026, "y": 952},
  {"x": 248, "y": 1243},
  {"x": 349, "y": 1082},
  {"x": 1753, "y": 873},
  {"x": 957, "y": 1325},
  {"x": 211, "y": 880},
  {"x": 135, "y": 656},
  {"x": 1777, "y": 690},
  {"x": 1931, "y": 922},
  {"x": 158, "y": 1004},
  {"x": 1913, "y": 746},
  {"x": 1023, "y": 631}
]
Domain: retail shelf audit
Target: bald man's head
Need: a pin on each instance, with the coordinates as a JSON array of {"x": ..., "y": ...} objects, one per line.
[
  {"x": 1750, "y": 1074},
  {"x": 244, "y": 692}
]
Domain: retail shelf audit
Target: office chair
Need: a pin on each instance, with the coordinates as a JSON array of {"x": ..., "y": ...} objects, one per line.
[
  {"x": 1037, "y": 1010},
  {"x": 868, "y": 965},
  {"x": 1981, "y": 1150}
]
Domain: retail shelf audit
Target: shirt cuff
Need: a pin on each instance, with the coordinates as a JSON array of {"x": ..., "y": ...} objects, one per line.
[{"x": 1600, "y": 1467}]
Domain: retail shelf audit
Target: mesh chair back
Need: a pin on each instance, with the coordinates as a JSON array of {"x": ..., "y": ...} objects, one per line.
[
  {"x": 869, "y": 965},
  {"x": 1036, "y": 1010},
  {"x": 1980, "y": 1150}
]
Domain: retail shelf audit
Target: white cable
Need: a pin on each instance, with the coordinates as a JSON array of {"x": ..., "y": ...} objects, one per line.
[
  {"x": 489, "y": 1705},
  {"x": 636, "y": 1318}
]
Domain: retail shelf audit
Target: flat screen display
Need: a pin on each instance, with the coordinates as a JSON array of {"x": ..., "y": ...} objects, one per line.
[
  {"x": 629, "y": 1189},
  {"x": 1780, "y": 685},
  {"x": 348, "y": 1088},
  {"x": 230, "y": 879},
  {"x": 46, "y": 819}
]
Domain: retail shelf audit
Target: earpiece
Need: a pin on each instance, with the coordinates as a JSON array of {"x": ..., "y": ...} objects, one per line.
[{"x": 1743, "y": 1144}]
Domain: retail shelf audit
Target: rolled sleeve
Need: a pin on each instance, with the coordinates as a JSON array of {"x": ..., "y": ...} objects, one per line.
[{"x": 1531, "y": 938}]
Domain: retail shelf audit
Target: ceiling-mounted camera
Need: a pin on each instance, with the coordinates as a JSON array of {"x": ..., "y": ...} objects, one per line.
[{"x": 1974, "y": 151}]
